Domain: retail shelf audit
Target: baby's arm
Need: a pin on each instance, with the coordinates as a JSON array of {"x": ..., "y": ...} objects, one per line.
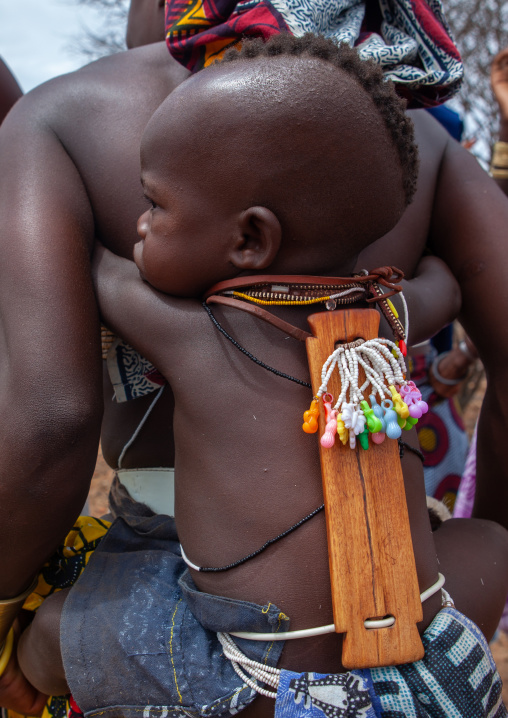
[
  {"x": 39, "y": 655},
  {"x": 147, "y": 318},
  {"x": 16, "y": 693},
  {"x": 144, "y": 317},
  {"x": 433, "y": 299}
]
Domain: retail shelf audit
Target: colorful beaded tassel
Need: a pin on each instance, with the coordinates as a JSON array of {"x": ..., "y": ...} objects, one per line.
[{"x": 400, "y": 401}]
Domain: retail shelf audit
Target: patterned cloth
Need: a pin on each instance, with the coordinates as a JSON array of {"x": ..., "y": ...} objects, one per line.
[
  {"x": 463, "y": 508},
  {"x": 131, "y": 375},
  {"x": 441, "y": 434},
  {"x": 412, "y": 43},
  {"x": 61, "y": 571},
  {"x": 457, "y": 678},
  {"x": 65, "y": 566}
]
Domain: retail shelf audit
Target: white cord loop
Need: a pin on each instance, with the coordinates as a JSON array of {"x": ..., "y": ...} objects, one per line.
[{"x": 321, "y": 630}]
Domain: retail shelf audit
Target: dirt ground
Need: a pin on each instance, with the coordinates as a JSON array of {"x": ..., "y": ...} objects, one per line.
[
  {"x": 473, "y": 393},
  {"x": 99, "y": 488}
]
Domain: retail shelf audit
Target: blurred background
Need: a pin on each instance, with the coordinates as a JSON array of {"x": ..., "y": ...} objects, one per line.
[{"x": 42, "y": 40}]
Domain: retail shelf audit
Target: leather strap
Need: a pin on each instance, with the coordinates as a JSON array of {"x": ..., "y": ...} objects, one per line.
[
  {"x": 386, "y": 276},
  {"x": 382, "y": 275},
  {"x": 257, "y": 311}
]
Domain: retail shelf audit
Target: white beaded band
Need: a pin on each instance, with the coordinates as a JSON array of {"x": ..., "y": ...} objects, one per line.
[{"x": 259, "y": 671}]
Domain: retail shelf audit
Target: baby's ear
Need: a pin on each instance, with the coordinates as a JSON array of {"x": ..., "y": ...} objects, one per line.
[{"x": 258, "y": 239}]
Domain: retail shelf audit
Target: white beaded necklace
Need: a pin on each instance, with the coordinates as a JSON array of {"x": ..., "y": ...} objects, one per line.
[{"x": 381, "y": 360}]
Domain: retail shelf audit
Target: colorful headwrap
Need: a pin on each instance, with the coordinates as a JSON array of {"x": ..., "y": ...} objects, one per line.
[{"x": 412, "y": 43}]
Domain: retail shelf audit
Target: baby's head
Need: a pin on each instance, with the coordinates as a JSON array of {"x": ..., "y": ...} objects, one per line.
[{"x": 288, "y": 157}]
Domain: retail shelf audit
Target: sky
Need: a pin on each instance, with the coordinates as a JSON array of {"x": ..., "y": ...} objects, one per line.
[{"x": 37, "y": 37}]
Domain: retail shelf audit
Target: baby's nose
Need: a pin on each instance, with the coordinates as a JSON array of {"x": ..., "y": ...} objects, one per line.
[{"x": 142, "y": 226}]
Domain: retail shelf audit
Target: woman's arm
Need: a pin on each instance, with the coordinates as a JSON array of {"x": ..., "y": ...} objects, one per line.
[
  {"x": 50, "y": 369},
  {"x": 468, "y": 232},
  {"x": 499, "y": 83}
]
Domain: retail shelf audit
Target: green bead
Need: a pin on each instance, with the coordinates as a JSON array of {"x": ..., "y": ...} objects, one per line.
[
  {"x": 410, "y": 422},
  {"x": 373, "y": 423},
  {"x": 364, "y": 438}
]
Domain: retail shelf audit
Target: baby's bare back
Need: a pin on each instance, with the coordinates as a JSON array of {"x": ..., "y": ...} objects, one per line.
[{"x": 246, "y": 472}]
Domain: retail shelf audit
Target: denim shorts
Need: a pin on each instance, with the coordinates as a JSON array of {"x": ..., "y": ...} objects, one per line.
[{"x": 139, "y": 639}]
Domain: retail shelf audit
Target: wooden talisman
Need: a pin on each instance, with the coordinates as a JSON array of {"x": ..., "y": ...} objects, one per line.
[{"x": 372, "y": 565}]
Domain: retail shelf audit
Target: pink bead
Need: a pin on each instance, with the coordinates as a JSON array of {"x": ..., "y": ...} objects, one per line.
[
  {"x": 328, "y": 438},
  {"x": 413, "y": 398},
  {"x": 378, "y": 437}
]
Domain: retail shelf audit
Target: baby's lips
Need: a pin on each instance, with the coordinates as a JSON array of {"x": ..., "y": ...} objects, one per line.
[{"x": 137, "y": 255}]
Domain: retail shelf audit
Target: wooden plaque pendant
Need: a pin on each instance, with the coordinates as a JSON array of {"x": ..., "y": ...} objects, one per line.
[{"x": 372, "y": 566}]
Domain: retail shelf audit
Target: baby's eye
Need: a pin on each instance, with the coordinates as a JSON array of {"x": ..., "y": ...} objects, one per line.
[{"x": 152, "y": 204}]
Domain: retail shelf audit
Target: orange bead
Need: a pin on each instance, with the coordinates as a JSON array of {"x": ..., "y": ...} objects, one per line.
[
  {"x": 310, "y": 417},
  {"x": 311, "y": 426}
]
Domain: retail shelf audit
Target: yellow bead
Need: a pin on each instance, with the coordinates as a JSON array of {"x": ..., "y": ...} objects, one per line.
[
  {"x": 395, "y": 312},
  {"x": 399, "y": 405},
  {"x": 341, "y": 430}
]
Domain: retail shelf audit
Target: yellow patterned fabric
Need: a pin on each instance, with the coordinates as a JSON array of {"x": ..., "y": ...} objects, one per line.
[
  {"x": 61, "y": 571},
  {"x": 65, "y": 566}
]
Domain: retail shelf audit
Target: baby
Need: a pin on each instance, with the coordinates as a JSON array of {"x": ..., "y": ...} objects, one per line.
[{"x": 287, "y": 159}]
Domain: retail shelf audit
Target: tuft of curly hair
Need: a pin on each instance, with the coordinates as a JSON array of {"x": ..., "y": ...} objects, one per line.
[{"x": 367, "y": 74}]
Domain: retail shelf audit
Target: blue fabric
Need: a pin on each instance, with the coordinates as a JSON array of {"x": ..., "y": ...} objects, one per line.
[
  {"x": 139, "y": 638},
  {"x": 457, "y": 678},
  {"x": 451, "y": 120},
  {"x": 443, "y": 340}
]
